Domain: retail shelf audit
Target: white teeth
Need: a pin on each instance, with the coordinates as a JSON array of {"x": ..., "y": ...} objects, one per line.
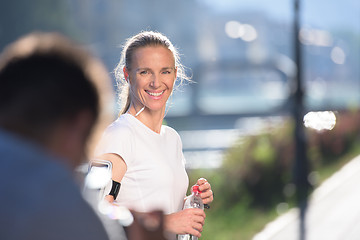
[{"x": 155, "y": 94}]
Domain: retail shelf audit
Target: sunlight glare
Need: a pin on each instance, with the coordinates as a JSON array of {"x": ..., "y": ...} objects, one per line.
[
  {"x": 98, "y": 177},
  {"x": 320, "y": 120},
  {"x": 114, "y": 211}
]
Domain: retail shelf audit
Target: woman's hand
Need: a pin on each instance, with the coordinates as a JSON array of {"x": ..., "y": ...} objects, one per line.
[
  {"x": 187, "y": 221},
  {"x": 206, "y": 194},
  {"x": 109, "y": 198}
]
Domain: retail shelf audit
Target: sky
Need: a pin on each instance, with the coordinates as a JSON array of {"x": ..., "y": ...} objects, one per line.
[{"x": 318, "y": 13}]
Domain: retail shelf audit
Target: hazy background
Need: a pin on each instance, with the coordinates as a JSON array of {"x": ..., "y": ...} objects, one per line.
[{"x": 241, "y": 56}]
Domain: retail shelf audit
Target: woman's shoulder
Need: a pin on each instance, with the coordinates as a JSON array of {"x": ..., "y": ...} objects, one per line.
[
  {"x": 170, "y": 131},
  {"x": 117, "y": 134},
  {"x": 120, "y": 125}
]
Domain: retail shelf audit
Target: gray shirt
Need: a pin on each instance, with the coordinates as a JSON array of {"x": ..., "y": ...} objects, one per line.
[{"x": 39, "y": 198}]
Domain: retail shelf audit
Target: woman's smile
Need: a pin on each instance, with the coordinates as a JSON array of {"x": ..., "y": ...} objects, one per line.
[{"x": 155, "y": 94}]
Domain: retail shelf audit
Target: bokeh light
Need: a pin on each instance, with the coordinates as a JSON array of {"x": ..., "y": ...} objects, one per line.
[
  {"x": 315, "y": 37},
  {"x": 115, "y": 211},
  {"x": 97, "y": 178},
  {"x": 320, "y": 120},
  {"x": 246, "y": 32},
  {"x": 338, "y": 55}
]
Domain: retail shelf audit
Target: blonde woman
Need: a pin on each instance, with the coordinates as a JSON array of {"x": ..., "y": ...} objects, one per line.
[{"x": 147, "y": 156}]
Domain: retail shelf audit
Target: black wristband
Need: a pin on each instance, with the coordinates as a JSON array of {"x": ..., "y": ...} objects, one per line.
[{"x": 115, "y": 189}]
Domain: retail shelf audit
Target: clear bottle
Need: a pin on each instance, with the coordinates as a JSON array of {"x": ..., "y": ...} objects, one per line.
[{"x": 192, "y": 201}]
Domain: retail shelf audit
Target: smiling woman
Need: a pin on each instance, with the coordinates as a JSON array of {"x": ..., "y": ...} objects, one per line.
[
  {"x": 147, "y": 156},
  {"x": 134, "y": 51},
  {"x": 151, "y": 77}
]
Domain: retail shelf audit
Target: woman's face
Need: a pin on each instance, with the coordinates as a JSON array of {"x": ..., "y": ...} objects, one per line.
[{"x": 151, "y": 76}]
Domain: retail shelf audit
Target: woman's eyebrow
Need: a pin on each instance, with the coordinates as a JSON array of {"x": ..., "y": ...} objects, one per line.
[
  {"x": 149, "y": 69},
  {"x": 142, "y": 69},
  {"x": 168, "y": 68}
]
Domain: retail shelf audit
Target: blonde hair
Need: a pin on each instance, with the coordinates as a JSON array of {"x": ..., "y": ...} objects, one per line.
[{"x": 143, "y": 39}]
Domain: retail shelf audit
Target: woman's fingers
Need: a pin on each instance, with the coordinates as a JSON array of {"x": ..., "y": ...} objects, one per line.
[
  {"x": 195, "y": 230},
  {"x": 109, "y": 198},
  {"x": 197, "y": 221},
  {"x": 197, "y": 214},
  {"x": 205, "y": 186},
  {"x": 201, "y": 181},
  {"x": 207, "y": 197},
  {"x": 207, "y": 194},
  {"x": 190, "y": 221}
]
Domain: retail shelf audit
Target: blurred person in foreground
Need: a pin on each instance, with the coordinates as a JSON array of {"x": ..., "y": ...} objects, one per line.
[
  {"x": 148, "y": 170},
  {"x": 49, "y": 104}
]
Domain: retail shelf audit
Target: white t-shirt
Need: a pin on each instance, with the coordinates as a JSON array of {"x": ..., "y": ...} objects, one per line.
[{"x": 155, "y": 178}]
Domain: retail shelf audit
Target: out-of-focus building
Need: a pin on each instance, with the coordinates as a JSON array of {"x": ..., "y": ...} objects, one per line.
[
  {"x": 239, "y": 53},
  {"x": 241, "y": 60}
]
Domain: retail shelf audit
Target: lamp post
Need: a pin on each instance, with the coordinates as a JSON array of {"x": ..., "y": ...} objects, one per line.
[{"x": 301, "y": 165}]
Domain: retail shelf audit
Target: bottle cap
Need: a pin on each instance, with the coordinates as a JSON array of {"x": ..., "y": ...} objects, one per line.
[{"x": 195, "y": 188}]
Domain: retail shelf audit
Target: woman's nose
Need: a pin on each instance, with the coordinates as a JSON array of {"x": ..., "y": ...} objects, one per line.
[{"x": 155, "y": 81}]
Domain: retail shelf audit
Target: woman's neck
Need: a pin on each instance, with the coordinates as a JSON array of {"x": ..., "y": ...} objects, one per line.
[{"x": 151, "y": 119}]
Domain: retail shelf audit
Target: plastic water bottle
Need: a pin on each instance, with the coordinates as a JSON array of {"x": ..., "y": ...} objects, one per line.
[{"x": 193, "y": 201}]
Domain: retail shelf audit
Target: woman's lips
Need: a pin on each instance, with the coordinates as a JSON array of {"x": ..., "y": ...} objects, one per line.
[{"x": 155, "y": 94}]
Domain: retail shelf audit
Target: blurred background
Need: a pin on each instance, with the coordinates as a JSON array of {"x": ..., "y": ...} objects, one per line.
[{"x": 236, "y": 119}]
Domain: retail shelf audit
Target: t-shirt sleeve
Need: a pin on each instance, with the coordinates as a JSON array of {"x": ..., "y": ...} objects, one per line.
[
  {"x": 179, "y": 145},
  {"x": 117, "y": 140},
  {"x": 180, "y": 150}
]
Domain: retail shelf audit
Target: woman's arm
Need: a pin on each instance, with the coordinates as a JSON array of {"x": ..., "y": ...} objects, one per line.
[{"x": 118, "y": 169}]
